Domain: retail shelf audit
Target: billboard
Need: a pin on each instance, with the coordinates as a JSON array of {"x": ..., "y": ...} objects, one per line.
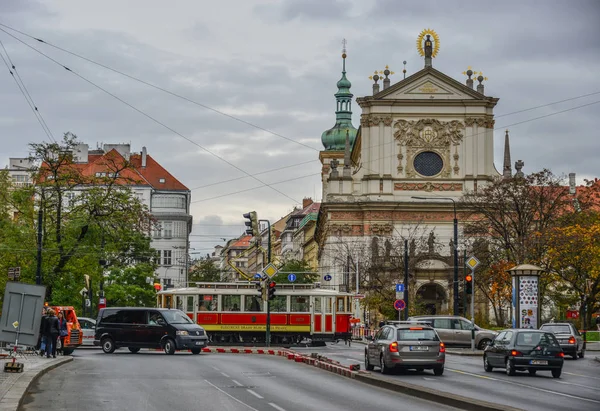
[{"x": 22, "y": 313}]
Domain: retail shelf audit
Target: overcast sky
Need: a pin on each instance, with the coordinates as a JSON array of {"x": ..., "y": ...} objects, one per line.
[{"x": 275, "y": 64}]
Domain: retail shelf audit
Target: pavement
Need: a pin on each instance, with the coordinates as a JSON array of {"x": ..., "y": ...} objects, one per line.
[{"x": 14, "y": 385}]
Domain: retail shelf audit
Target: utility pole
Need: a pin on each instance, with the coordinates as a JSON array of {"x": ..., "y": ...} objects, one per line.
[
  {"x": 357, "y": 286},
  {"x": 38, "y": 275},
  {"x": 406, "y": 288}
]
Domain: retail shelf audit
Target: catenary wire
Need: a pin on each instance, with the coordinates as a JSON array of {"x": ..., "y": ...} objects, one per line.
[{"x": 150, "y": 117}]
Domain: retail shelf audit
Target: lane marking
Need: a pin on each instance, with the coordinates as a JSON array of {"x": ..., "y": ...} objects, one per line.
[
  {"x": 215, "y": 368},
  {"x": 526, "y": 386},
  {"x": 255, "y": 394},
  {"x": 578, "y": 385},
  {"x": 354, "y": 359},
  {"x": 231, "y": 396},
  {"x": 580, "y": 375},
  {"x": 277, "y": 407},
  {"x": 225, "y": 375},
  {"x": 237, "y": 383},
  {"x": 430, "y": 379}
]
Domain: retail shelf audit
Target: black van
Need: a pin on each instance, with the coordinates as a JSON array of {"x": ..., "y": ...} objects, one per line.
[{"x": 137, "y": 328}]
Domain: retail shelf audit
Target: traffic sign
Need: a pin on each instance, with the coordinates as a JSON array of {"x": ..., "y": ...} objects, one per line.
[
  {"x": 472, "y": 263},
  {"x": 258, "y": 276},
  {"x": 399, "y": 305},
  {"x": 270, "y": 270},
  {"x": 14, "y": 273},
  {"x": 292, "y": 278},
  {"x": 327, "y": 277},
  {"x": 103, "y": 300},
  {"x": 399, "y": 295},
  {"x": 399, "y": 288},
  {"x": 358, "y": 296},
  {"x": 83, "y": 291}
]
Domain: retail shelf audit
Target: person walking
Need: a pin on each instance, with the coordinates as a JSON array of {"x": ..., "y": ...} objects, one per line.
[
  {"x": 598, "y": 321},
  {"x": 63, "y": 332},
  {"x": 51, "y": 331}
]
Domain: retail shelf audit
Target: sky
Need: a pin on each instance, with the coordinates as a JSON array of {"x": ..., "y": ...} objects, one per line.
[{"x": 262, "y": 77}]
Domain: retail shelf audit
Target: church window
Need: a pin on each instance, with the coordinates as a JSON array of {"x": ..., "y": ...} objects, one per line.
[{"x": 428, "y": 163}]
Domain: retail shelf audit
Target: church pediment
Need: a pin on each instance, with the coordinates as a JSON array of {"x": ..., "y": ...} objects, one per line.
[{"x": 429, "y": 84}]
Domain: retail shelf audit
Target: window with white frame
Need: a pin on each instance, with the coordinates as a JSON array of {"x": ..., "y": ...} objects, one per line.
[
  {"x": 157, "y": 257},
  {"x": 167, "y": 257},
  {"x": 167, "y": 227},
  {"x": 169, "y": 201}
]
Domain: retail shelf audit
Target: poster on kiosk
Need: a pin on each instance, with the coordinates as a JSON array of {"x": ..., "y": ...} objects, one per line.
[{"x": 525, "y": 296}]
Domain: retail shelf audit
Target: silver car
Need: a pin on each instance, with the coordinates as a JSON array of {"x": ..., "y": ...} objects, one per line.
[
  {"x": 456, "y": 331},
  {"x": 408, "y": 345},
  {"x": 568, "y": 337},
  {"x": 88, "y": 326}
]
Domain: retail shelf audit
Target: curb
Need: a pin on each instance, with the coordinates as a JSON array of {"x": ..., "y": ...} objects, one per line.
[
  {"x": 441, "y": 397},
  {"x": 465, "y": 353},
  {"x": 24, "y": 382}
]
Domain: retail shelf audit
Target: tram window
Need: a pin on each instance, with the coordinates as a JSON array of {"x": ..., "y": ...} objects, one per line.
[
  {"x": 207, "y": 303},
  {"x": 168, "y": 301},
  {"x": 328, "y": 305},
  {"x": 190, "y": 303},
  {"x": 179, "y": 302},
  {"x": 318, "y": 305},
  {"x": 300, "y": 304},
  {"x": 254, "y": 303},
  {"x": 340, "y": 305},
  {"x": 231, "y": 303},
  {"x": 279, "y": 304}
]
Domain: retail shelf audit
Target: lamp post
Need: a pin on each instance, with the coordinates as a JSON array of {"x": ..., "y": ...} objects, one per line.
[{"x": 455, "y": 282}]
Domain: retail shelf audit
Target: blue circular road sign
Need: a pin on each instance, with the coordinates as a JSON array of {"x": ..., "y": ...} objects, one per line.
[
  {"x": 257, "y": 276},
  {"x": 399, "y": 305},
  {"x": 292, "y": 277},
  {"x": 327, "y": 277}
]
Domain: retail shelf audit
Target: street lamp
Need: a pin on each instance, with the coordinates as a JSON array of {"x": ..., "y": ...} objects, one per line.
[{"x": 455, "y": 288}]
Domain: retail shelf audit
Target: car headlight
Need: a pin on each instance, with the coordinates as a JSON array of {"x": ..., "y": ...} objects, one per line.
[{"x": 181, "y": 333}]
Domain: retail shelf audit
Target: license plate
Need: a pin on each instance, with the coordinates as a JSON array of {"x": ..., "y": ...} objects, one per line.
[
  {"x": 538, "y": 362},
  {"x": 419, "y": 348},
  {"x": 199, "y": 342}
]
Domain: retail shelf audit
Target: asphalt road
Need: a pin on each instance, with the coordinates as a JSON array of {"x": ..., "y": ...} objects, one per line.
[
  {"x": 226, "y": 382},
  {"x": 577, "y": 389}
]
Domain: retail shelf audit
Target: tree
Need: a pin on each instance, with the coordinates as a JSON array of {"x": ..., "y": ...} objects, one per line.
[
  {"x": 128, "y": 287},
  {"x": 303, "y": 271},
  {"x": 205, "y": 270}
]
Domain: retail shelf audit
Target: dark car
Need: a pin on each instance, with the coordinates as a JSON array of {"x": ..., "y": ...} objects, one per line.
[
  {"x": 523, "y": 349},
  {"x": 568, "y": 337},
  {"x": 137, "y": 328},
  {"x": 408, "y": 345}
]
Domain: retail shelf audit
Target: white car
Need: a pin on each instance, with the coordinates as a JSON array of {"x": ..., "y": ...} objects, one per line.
[{"x": 88, "y": 326}]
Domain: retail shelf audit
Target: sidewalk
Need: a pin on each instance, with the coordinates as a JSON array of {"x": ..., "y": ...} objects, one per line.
[{"x": 14, "y": 385}]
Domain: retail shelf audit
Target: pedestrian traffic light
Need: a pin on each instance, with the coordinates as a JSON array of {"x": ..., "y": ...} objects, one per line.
[
  {"x": 469, "y": 284},
  {"x": 271, "y": 292},
  {"x": 252, "y": 223}
]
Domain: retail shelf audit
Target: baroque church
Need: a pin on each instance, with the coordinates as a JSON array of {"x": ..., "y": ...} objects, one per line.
[{"x": 394, "y": 182}]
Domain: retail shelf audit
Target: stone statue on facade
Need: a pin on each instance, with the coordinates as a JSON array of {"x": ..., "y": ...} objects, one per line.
[
  {"x": 375, "y": 248},
  {"x": 388, "y": 250},
  {"x": 431, "y": 242}
]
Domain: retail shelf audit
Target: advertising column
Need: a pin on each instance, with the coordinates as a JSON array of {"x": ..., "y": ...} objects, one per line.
[{"x": 525, "y": 301}]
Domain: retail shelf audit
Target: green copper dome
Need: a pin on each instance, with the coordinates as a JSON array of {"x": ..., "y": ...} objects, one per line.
[{"x": 334, "y": 139}]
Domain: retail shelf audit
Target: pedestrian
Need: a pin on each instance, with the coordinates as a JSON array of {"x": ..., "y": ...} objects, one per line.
[
  {"x": 63, "y": 332},
  {"x": 598, "y": 321},
  {"x": 42, "y": 331},
  {"x": 51, "y": 331}
]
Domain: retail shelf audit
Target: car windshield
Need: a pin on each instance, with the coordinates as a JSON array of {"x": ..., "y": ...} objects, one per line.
[
  {"x": 417, "y": 335},
  {"x": 557, "y": 328},
  {"x": 530, "y": 339},
  {"x": 176, "y": 317}
]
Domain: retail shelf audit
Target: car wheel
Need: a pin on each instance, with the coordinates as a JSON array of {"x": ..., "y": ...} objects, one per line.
[
  {"x": 510, "y": 367},
  {"x": 483, "y": 343},
  {"x": 437, "y": 371},
  {"x": 486, "y": 364},
  {"x": 134, "y": 350},
  {"x": 384, "y": 368},
  {"x": 108, "y": 345},
  {"x": 582, "y": 353},
  {"x": 556, "y": 373},
  {"x": 169, "y": 347},
  {"x": 368, "y": 365},
  {"x": 532, "y": 372},
  {"x": 195, "y": 351}
]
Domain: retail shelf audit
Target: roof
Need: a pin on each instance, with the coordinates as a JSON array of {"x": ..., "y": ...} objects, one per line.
[{"x": 243, "y": 241}]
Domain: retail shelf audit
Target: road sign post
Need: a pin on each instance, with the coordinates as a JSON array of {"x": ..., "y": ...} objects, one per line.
[{"x": 472, "y": 263}]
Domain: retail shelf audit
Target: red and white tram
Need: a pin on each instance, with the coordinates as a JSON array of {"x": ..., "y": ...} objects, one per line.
[{"x": 236, "y": 313}]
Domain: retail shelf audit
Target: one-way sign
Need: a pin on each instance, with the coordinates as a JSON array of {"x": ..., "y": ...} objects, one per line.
[{"x": 83, "y": 291}]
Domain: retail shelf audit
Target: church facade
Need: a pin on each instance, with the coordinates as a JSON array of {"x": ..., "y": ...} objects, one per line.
[{"x": 422, "y": 143}]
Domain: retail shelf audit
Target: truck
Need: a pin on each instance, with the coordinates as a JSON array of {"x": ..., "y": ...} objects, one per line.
[{"x": 74, "y": 337}]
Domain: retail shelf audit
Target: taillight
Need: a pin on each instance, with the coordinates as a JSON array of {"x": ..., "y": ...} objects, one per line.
[
  {"x": 516, "y": 353},
  {"x": 442, "y": 347},
  {"x": 560, "y": 355},
  {"x": 572, "y": 340},
  {"x": 394, "y": 347}
]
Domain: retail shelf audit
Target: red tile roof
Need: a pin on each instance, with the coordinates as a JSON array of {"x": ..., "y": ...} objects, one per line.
[{"x": 243, "y": 241}]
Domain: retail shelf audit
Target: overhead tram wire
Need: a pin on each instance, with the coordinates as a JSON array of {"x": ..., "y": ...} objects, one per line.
[
  {"x": 12, "y": 69},
  {"x": 150, "y": 117},
  {"x": 164, "y": 90}
]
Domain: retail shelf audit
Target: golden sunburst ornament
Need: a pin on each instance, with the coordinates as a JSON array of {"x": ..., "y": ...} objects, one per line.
[{"x": 436, "y": 42}]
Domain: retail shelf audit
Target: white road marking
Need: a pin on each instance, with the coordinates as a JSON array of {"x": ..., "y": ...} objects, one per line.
[
  {"x": 277, "y": 407},
  {"x": 578, "y": 385},
  {"x": 525, "y": 385},
  {"x": 230, "y": 396},
  {"x": 225, "y": 375},
  {"x": 255, "y": 394},
  {"x": 580, "y": 375},
  {"x": 354, "y": 359},
  {"x": 430, "y": 379},
  {"x": 237, "y": 383},
  {"x": 215, "y": 368}
]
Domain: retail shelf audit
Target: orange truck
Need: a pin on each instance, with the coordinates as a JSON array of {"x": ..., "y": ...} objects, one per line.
[{"x": 74, "y": 337}]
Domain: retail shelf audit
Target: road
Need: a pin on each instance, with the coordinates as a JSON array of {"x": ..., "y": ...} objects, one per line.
[
  {"x": 225, "y": 382},
  {"x": 577, "y": 389}
]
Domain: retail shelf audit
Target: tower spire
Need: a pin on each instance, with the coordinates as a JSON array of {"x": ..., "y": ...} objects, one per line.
[{"x": 507, "y": 168}]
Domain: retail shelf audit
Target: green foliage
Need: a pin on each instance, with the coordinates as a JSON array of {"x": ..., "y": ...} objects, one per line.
[
  {"x": 302, "y": 269},
  {"x": 127, "y": 287},
  {"x": 205, "y": 270}
]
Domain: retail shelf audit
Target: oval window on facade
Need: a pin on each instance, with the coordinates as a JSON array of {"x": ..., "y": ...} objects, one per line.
[{"x": 428, "y": 163}]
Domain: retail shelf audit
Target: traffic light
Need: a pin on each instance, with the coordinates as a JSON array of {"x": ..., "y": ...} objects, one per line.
[
  {"x": 252, "y": 223},
  {"x": 469, "y": 284},
  {"x": 261, "y": 290},
  {"x": 271, "y": 292}
]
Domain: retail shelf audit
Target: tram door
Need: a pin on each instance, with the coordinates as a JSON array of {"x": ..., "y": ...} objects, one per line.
[
  {"x": 323, "y": 315},
  {"x": 191, "y": 308}
]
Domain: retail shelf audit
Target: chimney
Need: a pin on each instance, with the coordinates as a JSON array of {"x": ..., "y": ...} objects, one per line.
[
  {"x": 144, "y": 153},
  {"x": 306, "y": 202},
  {"x": 572, "y": 184}
]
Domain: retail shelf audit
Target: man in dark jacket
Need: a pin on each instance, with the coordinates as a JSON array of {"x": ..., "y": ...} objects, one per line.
[
  {"x": 51, "y": 331},
  {"x": 42, "y": 342}
]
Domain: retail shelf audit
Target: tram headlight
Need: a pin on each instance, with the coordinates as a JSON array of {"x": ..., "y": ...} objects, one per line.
[{"x": 181, "y": 333}]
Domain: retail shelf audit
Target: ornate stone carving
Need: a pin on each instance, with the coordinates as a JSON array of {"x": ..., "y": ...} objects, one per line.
[
  {"x": 469, "y": 121},
  {"x": 387, "y": 121},
  {"x": 382, "y": 229},
  {"x": 428, "y": 186},
  {"x": 456, "y": 168},
  {"x": 371, "y": 120}
]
